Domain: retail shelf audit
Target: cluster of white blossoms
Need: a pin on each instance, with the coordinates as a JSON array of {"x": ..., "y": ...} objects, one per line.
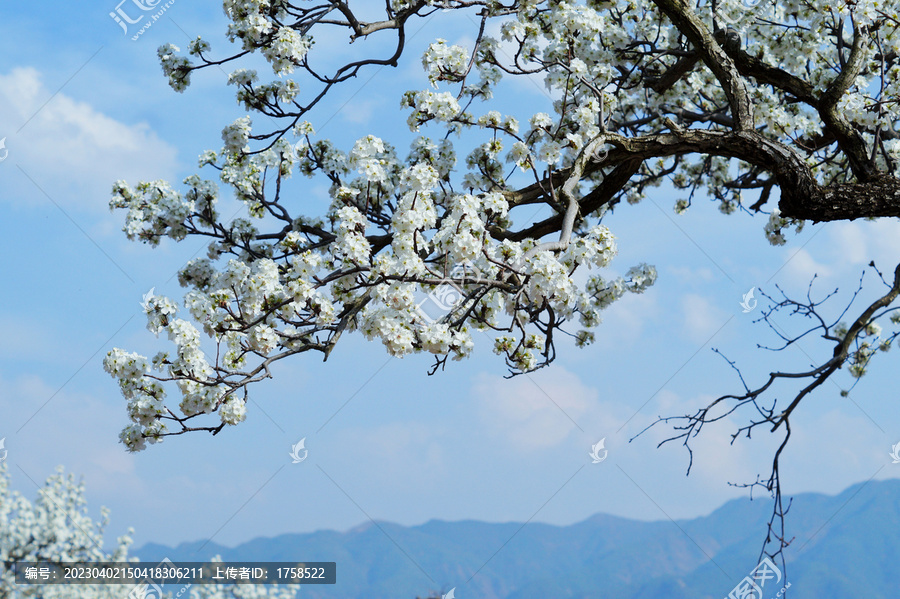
[
  {"x": 56, "y": 528},
  {"x": 144, "y": 391},
  {"x": 428, "y": 105},
  {"x": 251, "y": 20},
  {"x": 429, "y": 254},
  {"x": 272, "y": 299},
  {"x": 775, "y": 226},
  {"x": 287, "y": 50},
  {"x": 155, "y": 210},
  {"x": 444, "y": 62},
  {"x": 236, "y": 135},
  {"x": 867, "y": 343},
  {"x": 176, "y": 68}
]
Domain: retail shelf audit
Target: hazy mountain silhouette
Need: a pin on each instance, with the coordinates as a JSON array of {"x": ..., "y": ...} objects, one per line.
[{"x": 844, "y": 546}]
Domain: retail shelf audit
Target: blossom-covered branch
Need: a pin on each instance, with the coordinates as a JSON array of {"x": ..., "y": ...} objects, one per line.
[{"x": 801, "y": 101}]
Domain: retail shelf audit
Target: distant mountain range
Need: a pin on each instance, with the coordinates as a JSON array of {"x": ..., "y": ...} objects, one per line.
[{"x": 846, "y": 546}]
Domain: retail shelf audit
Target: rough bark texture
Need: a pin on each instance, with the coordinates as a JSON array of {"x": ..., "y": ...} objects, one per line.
[
  {"x": 801, "y": 196},
  {"x": 873, "y": 194},
  {"x": 880, "y": 196}
]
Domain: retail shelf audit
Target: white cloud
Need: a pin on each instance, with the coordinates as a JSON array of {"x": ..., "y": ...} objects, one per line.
[
  {"x": 409, "y": 457},
  {"x": 849, "y": 243},
  {"x": 856, "y": 243},
  {"x": 686, "y": 274},
  {"x": 71, "y": 150},
  {"x": 26, "y": 337},
  {"x": 885, "y": 237},
  {"x": 358, "y": 112},
  {"x": 701, "y": 318},
  {"x": 398, "y": 439},
  {"x": 537, "y": 411},
  {"x": 623, "y": 322},
  {"x": 801, "y": 267},
  {"x": 46, "y": 426}
]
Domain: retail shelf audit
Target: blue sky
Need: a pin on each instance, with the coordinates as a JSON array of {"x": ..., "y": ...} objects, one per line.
[{"x": 82, "y": 105}]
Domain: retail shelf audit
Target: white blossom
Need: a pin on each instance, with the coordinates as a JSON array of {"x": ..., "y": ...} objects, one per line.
[
  {"x": 57, "y": 527},
  {"x": 236, "y": 135},
  {"x": 176, "y": 68},
  {"x": 233, "y": 410}
]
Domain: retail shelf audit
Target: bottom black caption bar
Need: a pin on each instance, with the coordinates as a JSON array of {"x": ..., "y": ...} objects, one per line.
[{"x": 169, "y": 572}]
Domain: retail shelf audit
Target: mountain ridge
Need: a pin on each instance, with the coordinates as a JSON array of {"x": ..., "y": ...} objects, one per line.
[{"x": 844, "y": 545}]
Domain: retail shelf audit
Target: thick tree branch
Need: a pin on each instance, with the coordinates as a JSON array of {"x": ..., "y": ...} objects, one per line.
[
  {"x": 802, "y": 197},
  {"x": 612, "y": 184},
  {"x": 850, "y": 141},
  {"x": 688, "y": 23}
]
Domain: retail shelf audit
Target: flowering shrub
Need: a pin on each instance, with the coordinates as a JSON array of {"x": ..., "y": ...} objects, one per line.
[{"x": 56, "y": 528}]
